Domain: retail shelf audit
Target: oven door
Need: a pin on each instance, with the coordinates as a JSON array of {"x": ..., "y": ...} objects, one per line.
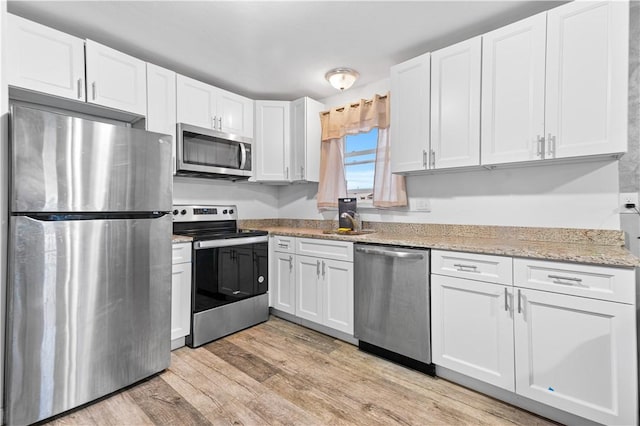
[
  {"x": 207, "y": 151},
  {"x": 229, "y": 270}
]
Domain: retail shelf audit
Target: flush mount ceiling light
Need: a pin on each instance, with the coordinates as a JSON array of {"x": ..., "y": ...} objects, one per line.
[{"x": 342, "y": 78}]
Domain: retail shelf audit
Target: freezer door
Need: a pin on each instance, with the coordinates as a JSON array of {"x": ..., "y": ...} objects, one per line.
[
  {"x": 67, "y": 164},
  {"x": 89, "y": 311}
]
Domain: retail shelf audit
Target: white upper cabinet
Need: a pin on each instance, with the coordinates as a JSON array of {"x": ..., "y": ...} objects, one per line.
[
  {"x": 195, "y": 102},
  {"x": 203, "y": 105},
  {"x": 45, "y": 60},
  {"x": 587, "y": 78},
  {"x": 555, "y": 85},
  {"x": 161, "y": 103},
  {"x": 235, "y": 113},
  {"x": 513, "y": 76},
  {"x": 272, "y": 141},
  {"x": 306, "y": 135},
  {"x": 455, "y": 105},
  {"x": 410, "y": 113},
  {"x": 115, "y": 80}
]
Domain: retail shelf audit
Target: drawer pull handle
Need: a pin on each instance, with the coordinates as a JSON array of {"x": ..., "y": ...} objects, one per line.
[
  {"x": 506, "y": 303},
  {"x": 559, "y": 278},
  {"x": 462, "y": 267},
  {"x": 283, "y": 245}
]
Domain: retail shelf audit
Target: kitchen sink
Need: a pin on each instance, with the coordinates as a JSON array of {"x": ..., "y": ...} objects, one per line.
[{"x": 351, "y": 232}]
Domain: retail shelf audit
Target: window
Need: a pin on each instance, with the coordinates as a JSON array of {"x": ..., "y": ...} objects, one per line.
[{"x": 359, "y": 164}]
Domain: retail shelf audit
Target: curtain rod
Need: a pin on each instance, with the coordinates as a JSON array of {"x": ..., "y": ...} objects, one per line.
[{"x": 368, "y": 101}]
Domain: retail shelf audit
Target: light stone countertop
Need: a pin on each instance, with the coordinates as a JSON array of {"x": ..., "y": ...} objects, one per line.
[
  {"x": 181, "y": 239},
  {"x": 580, "y": 252}
]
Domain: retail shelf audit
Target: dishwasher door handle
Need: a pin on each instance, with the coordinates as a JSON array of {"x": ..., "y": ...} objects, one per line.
[{"x": 397, "y": 254}]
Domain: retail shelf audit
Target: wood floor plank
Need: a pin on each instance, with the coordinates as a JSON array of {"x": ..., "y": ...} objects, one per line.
[
  {"x": 278, "y": 373},
  {"x": 231, "y": 412},
  {"x": 164, "y": 405},
  {"x": 248, "y": 363},
  {"x": 117, "y": 410}
]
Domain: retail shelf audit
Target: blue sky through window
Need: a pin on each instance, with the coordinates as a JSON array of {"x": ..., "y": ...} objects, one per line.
[{"x": 360, "y": 160}]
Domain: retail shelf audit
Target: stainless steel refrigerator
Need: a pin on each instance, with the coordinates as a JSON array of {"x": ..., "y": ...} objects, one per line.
[{"x": 89, "y": 268}]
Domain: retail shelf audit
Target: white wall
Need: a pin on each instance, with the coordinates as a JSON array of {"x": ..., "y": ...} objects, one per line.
[
  {"x": 254, "y": 201},
  {"x": 580, "y": 195}
]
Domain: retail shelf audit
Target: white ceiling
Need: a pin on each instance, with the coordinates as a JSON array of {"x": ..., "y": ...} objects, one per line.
[{"x": 276, "y": 49}]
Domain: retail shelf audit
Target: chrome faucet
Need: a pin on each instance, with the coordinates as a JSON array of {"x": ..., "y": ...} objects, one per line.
[{"x": 353, "y": 218}]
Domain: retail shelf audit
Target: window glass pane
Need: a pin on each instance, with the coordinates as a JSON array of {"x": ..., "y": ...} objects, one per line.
[
  {"x": 362, "y": 141},
  {"x": 360, "y": 177},
  {"x": 360, "y": 149}
]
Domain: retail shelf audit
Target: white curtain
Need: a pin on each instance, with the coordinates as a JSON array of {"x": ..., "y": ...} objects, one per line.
[
  {"x": 389, "y": 190},
  {"x": 333, "y": 184}
]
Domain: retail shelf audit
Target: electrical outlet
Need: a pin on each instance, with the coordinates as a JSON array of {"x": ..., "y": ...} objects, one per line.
[
  {"x": 423, "y": 205},
  {"x": 629, "y": 198}
]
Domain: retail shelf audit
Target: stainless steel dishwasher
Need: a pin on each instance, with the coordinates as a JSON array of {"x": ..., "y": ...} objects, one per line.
[{"x": 392, "y": 306}]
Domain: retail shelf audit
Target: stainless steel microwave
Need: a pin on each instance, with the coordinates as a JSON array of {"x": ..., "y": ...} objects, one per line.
[{"x": 212, "y": 153}]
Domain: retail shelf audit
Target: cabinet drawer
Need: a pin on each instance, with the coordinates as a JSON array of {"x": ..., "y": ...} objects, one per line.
[
  {"x": 479, "y": 267},
  {"x": 284, "y": 244},
  {"x": 181, "y": 253},
  {"x": 328, "y": 249},
  {"x": 598, "y": 282}
]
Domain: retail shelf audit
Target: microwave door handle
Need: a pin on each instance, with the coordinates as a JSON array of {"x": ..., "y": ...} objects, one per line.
[{"x": 243, "y": 156}]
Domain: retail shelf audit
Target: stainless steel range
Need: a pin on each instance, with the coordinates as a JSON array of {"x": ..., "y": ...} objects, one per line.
[{"x": 230, "y": 271}]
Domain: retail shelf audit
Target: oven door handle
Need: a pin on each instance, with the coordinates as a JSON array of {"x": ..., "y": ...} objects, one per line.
[{"x": 228, "y": 242}]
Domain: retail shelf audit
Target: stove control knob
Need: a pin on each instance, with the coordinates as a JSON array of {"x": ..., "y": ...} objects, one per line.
[
  {"x": 183, "y": 212},
  {"x": 231, "y": 211},
  {"x": 175, "y": 212},
  {"x": 224, "y": 212}
]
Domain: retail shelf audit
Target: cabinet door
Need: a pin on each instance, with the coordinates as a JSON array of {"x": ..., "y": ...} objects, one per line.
[
  {"x": 308, "y": 288},
  {"x": 587, "y": 78},
  {"x": 338, "y": 295},
  {"x": 410, "y": 104},
  {"x": 513, "y": 76},
  {"x": 235, "y": 113},
  {"x": 283, "y": 289},
  {"x": 180, "y": 300},
  {"x": 272, "y": 141},
  {"x": 45, "y": 60},
  {"x": 455, "y": 105},
  {"x": 161, "y": 103},
  {"x": 298, "y": 138},
  {"x": 196, "y": 102},
  {"x": 306, "y": 135},
  {"x": 472, "y": 329},
  {"x": 116, "y": 80},
  {"x": 577, "y": 354}
]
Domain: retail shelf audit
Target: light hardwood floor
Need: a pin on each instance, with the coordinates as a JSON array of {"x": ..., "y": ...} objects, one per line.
[{"x": 280, "y": 373}]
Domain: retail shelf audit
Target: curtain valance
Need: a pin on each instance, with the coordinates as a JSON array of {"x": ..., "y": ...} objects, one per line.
[{"x": 356, "y": 117}]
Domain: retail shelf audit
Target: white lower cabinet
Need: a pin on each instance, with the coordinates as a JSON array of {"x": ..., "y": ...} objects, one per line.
[
  {"x": 325, "y": 292},
  {"x": 578, "y": 355},
  {"x": 283, "y": 288},
  {"x": 572, "y": 351},
  {"x": 318, "y": 287},
  {"x": 472, "y": 331},
  {"x": 181, "y": 291}
]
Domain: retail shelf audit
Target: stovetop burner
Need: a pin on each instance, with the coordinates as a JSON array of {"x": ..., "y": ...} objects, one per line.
[
  {"x": 207, "y": 234},
  {"x": 209, "y": 223}
]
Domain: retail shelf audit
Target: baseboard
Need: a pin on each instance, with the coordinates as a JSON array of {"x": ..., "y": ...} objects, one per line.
[
  {"x": 177, "y": 343},
  {"x": 312, "y": 325},
  {"x": 513, "y": 398}
]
